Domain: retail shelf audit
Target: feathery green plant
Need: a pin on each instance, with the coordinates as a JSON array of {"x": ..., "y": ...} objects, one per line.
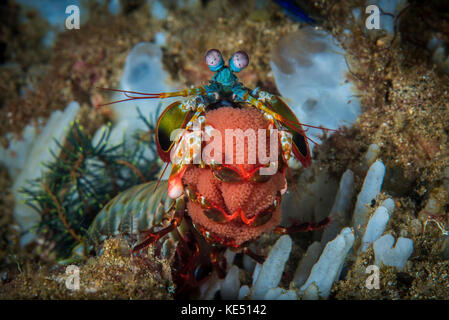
[{"x": 84, "y": 177}]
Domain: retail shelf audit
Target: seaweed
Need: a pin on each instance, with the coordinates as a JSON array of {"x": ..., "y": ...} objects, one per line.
[{"x": 83, "y": 178}]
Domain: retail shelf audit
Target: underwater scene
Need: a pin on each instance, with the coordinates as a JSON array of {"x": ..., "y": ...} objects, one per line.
[{"x": 224, "y": 150}]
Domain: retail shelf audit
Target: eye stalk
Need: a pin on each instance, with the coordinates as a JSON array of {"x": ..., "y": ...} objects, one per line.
[
  {"x": 239, "y": 61},
  {"x": 214, "y": 59}
]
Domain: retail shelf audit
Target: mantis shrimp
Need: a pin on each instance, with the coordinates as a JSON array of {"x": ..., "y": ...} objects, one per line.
[{"x": 209, "y": 205}]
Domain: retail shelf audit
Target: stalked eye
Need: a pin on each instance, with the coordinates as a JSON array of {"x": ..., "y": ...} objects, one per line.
[
  {"x": 214, "y": 59},
  {"x": 239, "y": 61}
]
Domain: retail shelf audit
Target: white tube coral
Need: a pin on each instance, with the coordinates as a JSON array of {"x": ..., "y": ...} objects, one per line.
[
  {"x": 330, "y": 264},
  {"x": 271, "y": 272},
  {"x": 370, "y": 190}
]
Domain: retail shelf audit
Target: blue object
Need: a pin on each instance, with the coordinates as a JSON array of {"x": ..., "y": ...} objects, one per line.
[
  {"x": 233, "y": 67},
  {"x": 225, "y": 77},
  {"x": 218, "y": 66},
  {"x": 292, "y": 10}
]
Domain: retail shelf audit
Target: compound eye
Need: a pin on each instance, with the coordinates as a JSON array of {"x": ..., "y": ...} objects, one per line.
[
  {"x": 214, "y": 59},
  {"x": 239, "y": 61}
]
